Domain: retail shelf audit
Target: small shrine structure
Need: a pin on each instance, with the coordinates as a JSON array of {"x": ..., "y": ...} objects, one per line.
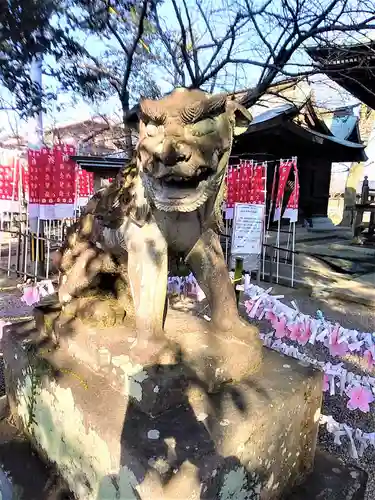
[{"x": 286, "y": 124}]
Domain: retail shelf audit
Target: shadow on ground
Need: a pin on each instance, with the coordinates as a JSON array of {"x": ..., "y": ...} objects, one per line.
[{"x": 30, "y": 478}]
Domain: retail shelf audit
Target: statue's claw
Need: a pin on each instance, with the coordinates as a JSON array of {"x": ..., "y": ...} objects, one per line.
[
  {"x": 155, "y": 350},
  {"x": 238, "y": 352}
]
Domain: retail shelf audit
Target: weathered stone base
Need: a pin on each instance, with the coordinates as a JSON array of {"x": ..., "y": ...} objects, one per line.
[{"x": 106, "y": 424}]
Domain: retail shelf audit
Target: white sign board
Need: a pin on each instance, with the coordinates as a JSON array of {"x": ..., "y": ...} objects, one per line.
[{"x": 247, "y": 229}]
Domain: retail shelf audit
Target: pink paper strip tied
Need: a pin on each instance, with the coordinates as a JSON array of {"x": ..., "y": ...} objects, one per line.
[
  {"x": 305, "y": 329},
  {"x": 335, "y": 376}
]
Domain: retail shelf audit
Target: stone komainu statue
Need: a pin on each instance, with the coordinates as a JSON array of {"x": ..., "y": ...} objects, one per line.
[{"x": 167, "y": 201}]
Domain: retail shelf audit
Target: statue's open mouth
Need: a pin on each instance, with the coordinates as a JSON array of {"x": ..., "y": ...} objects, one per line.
[
  {"x": 173, "y": 192},
  {"x": 192, "y": 182}
]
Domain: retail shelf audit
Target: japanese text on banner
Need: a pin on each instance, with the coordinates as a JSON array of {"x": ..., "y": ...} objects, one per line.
[
  {"x": 57, "y": 184},
  {"x": 288, "y": 176},
  {"x": 246, "y": 183}
]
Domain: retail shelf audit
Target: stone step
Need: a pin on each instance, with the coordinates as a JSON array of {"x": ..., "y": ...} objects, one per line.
[
  {"x": 337, "y": 249},
  {"x": 332, "y": 480}
]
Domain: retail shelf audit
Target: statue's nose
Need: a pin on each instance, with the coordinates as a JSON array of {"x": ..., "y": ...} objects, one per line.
[{"x": 173, "y": 153}]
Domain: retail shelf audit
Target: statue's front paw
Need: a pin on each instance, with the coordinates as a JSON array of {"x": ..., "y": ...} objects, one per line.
[
  {"x": 238, "y": 351},
  {"x": 152, "y": 351},
  {"x": 239, "y": 359},
  {"x": 235, "y": 327}
]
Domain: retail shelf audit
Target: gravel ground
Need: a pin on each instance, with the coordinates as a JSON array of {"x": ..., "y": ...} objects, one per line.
[
  {"x": 11, "y": 306},
  {"x": 351, "y": 316}
]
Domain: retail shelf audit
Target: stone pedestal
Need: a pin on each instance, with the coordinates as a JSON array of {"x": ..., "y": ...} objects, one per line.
[{"x": 116, "y": 430}]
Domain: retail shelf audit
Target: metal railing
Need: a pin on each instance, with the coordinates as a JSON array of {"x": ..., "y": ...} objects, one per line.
[{"x": 27, "y": 254}]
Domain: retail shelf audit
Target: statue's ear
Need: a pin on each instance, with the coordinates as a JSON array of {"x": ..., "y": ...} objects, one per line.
[{"x": 242, "y": 116}]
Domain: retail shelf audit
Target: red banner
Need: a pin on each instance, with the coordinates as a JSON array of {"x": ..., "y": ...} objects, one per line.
[
  {"x": 42, "y": 178},
  {"x": 291, "y": 211},
  {"x": 57, "y": 185},
  {"x": 231, "y": 187},
  {"x": 34, "y": 162},
  {"x": 258, "y": 182},
  {"x": 284, "y": 171},
  {"x": 246, "y": 183},
  {"x": 292, "y": 205},
  {"x": 244, "y": 176},
  {"x": 9, "y": 176},
  {"x": 85, "y": 183},
  {"x": 46, "y": 177},
  {"x": 65, "y": 174}
]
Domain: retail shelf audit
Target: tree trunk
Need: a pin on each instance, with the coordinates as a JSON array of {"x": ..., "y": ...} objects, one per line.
[{"x": 128, "y": 143}]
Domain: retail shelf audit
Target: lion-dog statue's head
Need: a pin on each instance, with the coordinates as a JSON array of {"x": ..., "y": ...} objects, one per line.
[{"x": 184, "y": 145}]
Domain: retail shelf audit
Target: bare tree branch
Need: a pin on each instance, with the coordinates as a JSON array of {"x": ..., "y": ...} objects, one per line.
[
  {"x": 270, "y": 39},
  {"x": 171, "y": 52},
  {"x": 192, "y": 41},
  {"x": 184, "y": 51},
  {"x": 118, "y": 38},
  {"x": 132, "y": 49}
]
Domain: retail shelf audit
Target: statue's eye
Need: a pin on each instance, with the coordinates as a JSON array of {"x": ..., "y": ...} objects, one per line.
[
  {"x": 204, "y": 127},
  {"x": 152, "y": 129}
]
